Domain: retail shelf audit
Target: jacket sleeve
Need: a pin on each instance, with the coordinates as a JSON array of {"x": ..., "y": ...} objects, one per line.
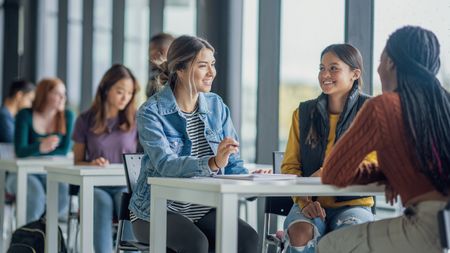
[
  {"x": 235, "y": 163},
  {"x": 156, "y": 145},
  {"x": 23, "y": 128},
  {"x": 341, "y": 167}
]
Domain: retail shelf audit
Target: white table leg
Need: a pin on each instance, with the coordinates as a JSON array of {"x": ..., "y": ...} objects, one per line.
[
  {"x": 158, "y": 221},
  {"x": 52, "y": 216},
  {"x": 87, "y": 215},
  {"x": 226, "y": 224},
  {"x": 21, "y": 197},
  {"x": 2, "y": 206}
]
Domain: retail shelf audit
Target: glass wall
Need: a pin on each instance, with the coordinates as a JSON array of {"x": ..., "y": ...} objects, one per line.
[
  {"x": 136, "y": 41},
  {"x": 391, "y": 15},
  {"x": 307, "y": 27},
  {"x": 249, "y": 80},
  {"x": 102, "y": 51},
  {"x": 180, "y": 17},
  {"x": 74, "y": 45},
  {"x": 48, "y": 39}
]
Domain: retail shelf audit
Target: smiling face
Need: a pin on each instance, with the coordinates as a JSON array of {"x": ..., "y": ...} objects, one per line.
[
  {"x": 57, "y": 97},
  {"x": 201, "y": 72},
  {"x": 120, "y": 94},
  {"x": 336, "y": 77}
]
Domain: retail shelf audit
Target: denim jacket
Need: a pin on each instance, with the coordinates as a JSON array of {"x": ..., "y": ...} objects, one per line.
[{"x": 163, "y": 136}]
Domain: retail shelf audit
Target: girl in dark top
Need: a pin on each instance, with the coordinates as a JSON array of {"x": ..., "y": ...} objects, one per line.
[
  {"x": 102, "y": 134},
  {"x": 43, "y": 130}
]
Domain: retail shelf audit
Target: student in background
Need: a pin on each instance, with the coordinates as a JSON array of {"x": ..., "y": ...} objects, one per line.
[
  {"x": 20, "y": 96},
  {"x": 102, "y": 134},
  {"x": 316, "y": 125},
  {"x": 43, "y": 129},
  {"x": 186, "y": 131},
  {"x": 408, "y": 127},
  {"x": 159, "y": 45}
]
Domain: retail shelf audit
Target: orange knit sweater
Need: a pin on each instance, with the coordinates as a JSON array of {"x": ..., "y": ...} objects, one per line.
[{"x": 378, "y": 126}]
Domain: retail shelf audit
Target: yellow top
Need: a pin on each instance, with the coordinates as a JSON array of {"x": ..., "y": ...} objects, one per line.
[{"x": 291, "y": 162}]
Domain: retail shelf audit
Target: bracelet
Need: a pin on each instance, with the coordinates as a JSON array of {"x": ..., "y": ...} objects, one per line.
[{"x": 215, "y": 163}]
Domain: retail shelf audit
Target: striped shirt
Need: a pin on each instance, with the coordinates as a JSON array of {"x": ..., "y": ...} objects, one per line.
[{"x": 200, "y": 148}]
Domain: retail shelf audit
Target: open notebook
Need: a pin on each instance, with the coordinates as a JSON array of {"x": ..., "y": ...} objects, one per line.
[{"x": 258, "y": 177}]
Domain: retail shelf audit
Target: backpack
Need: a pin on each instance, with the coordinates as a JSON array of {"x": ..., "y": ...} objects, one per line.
[{"x": 31, "y": 238}]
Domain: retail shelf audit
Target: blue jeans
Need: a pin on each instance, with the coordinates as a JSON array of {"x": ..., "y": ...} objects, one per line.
[
  {"x": 106, "y": 206},
  {"x": 36, "y": 195},
  {"x": 335, "y": 218}
]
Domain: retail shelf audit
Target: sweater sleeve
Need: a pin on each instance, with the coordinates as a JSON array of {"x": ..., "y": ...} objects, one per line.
[
  {"x": 23, "y": 128},
  {"x": 65, "y": 143},
  {"x": 341, "y": 167}
]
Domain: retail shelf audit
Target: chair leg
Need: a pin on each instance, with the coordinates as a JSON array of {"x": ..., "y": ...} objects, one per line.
[{"x": 119, "y": 236}]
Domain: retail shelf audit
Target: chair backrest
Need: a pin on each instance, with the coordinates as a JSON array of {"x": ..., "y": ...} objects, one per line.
[
  {"x": 278, "y": 205},
  {"x": 444, "y": 226},
  {"x": 132, "y": 164},
  {"x": 277, "y": 159}
]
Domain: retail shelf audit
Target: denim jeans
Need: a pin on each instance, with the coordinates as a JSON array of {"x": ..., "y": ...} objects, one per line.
[
  {"x": 335, "y": 218},
  {"x": 36, "y": 195},
  {"x": 107, "y": 206}
]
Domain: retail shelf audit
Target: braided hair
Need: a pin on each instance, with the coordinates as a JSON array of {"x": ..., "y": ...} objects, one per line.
[{"x": 425, "y": 103}]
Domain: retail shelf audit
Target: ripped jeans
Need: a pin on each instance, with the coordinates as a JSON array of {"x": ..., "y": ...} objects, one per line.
[{"x": 335, "y": 218}]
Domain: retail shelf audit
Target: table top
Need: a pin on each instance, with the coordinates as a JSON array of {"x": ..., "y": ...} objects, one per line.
[
  {"x": 36, "y": 161},
  {"x": 266, "y": 188},
  {"x": 86, "y": 170}
]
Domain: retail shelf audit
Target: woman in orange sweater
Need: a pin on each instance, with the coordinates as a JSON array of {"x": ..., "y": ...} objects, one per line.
[
  {"x": 408, "y": 127},
  {"x": 316, "y": 125}
]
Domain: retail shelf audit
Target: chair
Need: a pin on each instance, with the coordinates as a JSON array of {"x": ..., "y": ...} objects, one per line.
[
  {"x": 132, "y": 165},
  {"x": 275, "y": 206},
  {"x": 444, "y": 227}
]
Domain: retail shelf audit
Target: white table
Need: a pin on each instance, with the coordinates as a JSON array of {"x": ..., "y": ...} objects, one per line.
[
  {"x": 87, "y": 177},
  {"x": 23, "y": 167},
  {"x": 224, "y": 195}
]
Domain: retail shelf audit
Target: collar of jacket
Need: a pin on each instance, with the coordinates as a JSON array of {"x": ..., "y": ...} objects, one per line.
[
  {"x": 167, "y": 104},
  {"x": 352, "y": 99}
]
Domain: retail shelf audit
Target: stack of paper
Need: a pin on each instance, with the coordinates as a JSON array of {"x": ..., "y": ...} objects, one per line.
[{"x": 258, "y": 177}]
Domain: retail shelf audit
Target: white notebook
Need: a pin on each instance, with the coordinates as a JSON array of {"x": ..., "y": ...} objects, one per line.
[{"x": 258, "y": 177}]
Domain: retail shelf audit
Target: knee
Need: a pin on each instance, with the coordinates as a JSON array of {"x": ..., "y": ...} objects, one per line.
[
  {"x": 198, "y": 245},
  {"x": 248, "y": 241},
  {"x": 300, "y": 233}
]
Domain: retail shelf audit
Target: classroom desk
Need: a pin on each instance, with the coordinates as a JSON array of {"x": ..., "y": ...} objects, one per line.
[
  {"x": 24, "y": 167},
  {"x": 87, "y": 177},
  {"x": 224, "y": 195}
]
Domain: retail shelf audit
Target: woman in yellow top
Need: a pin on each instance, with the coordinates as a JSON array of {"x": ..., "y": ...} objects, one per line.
[{"x": 316, "y": 125}]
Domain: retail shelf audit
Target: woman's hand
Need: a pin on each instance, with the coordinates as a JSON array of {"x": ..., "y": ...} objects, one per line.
[
  {"x": 48, "y": 144},
  {"x": 226, "y": 147},
  {"x": 391, "y": 194},
  {"x": 318, "y": 173},
  {"x": 313, "y": 209},
  {"x": 100, "y": 162}
]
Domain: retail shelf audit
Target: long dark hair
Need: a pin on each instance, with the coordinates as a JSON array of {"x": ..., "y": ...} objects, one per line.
[
  {"x": 350, "y": 56},
  {"x": 126, "y": 116},
  {"x": 425, "y": 103},
  {"x": 182, "y": 52}
]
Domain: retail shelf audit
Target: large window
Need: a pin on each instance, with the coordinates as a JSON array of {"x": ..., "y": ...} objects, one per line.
[
  {"x": 391, "y": 15},
  {"x": 74, "y": 45},
  {"x": 249, "y": 80},
  {"x": 48, "y": 38},
  {"x": 136, "y": 40},
  {"x": 180, "y": 17},
  {"x": 307, "y": 27},
  {"x": 102, "y": 53}
]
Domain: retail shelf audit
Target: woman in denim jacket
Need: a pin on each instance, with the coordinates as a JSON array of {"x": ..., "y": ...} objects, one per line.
[{"x": 186, "y": 131}]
